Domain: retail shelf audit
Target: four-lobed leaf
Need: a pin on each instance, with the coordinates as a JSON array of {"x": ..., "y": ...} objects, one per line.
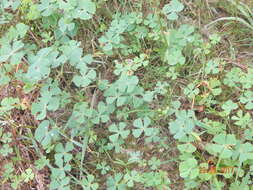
[
  {"x": 183, "y": 125},
  {"x": 142, "y": 125},
  {"x": 119, "y": 131},
  {"x": 189, "y": 168},
  {"x": 223, "y": 145},
  {"x": 172, "y": 9},
  {"x": 229, "y": 106}
]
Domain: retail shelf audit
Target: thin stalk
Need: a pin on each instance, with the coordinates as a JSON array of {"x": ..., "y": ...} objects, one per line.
[{"x": 230, "y": 19}]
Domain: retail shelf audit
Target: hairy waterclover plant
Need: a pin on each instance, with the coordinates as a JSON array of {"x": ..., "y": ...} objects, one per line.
[
  {"x": 183, "y": 125},
  {"x": 172, "y": 9}
]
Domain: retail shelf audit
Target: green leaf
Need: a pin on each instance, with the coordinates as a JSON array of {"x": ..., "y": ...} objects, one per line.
[
  {"x": 242, "y": 120},
  {"x": 39, "y": 65},
  {"x": 43, "y": 134},
  {"x": 191, "y": 91},
  {"x": 116, "y": 93},
  {"x": 115, "y": 183},
  {"x": 228, "y": 106},
  {"x": 85, "y": 9},
  {"x": 66, "y": 24},
  {"x": 47, "y": 7},
  {"x": 212, "y": 67},
  {"x": 189, "y": 168},
  {"x": 8, "y": 104},
  {"x": 63, "y": 151},
  {"x": 183, "y": 125},
  {"x": 27, "y": 175},
  {"x": 223, "y": 146},
  {"x": 171, "y": 9},
  {"x": 141, "y": 125},
  {"x": 86, "y": 77},
  {"x": 102, "y": 114},
  {"x": 119, "y": 131},
  {"x": 127, "y": 83},
  {"x": 12, "y": 52},
  {"x": 244, "y": 152},
  {"x": 5, "y": 150},
  {"x": 88, "y": 183},
  {"x": 247, "y": 99},
  {"x": 188, "y": 148},
  {"x": 49, "y": 100},
  {"x": 174, "y": 57},
  {"x": 73, "y": 52},
  {"x": 132, "y": 177},
  {"x": 232, "y": 77}
]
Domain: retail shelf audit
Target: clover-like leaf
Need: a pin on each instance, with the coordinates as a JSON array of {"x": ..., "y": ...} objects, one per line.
[
  {"x": 8, "y": 104},
  {"x": 113, "y": 94},
  {"x": 102, "y": 114},
  {"x": 244, "y": 152},
  {"x": 223, "y": 146},
  {"x": 115, "y": 183},
  {"x": 228, "y": 106},
  {"x": 127, "y": 83},
  {"x": 39, "y": 65},
  {"x": 64, "y": 151},
  {"x": 171, "y": 9},
  {"x": 242, "y": 120},
  {"x": 49, "y": 100},
  {"x": 142, "y": 125},
  {"x": 191, "y": 91},
  {"x": 89, "y": 183},
  {"x": 85, "y": 9},
  {"x": 247, "y": 99},
  {"x": 187, "y": 148},
  {"x": 119, "y": 131},
  {"x": 12, "y": 52},
  {"x": 43, "y": 134},
  {"x": 212, "y": 67},
  {"x": 189, "y": 168},
  {"x": 183, "y": 125},
  {"x": 46, "y": 7},
  {"x": 86, "y": 77}
]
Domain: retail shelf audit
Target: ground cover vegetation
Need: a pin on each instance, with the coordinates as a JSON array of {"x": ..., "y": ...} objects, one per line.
[{"x": 118, "y": 94}]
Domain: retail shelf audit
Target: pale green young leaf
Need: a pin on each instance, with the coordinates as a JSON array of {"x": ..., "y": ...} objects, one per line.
[
  {"x": 142, "y": 125},
  {"x": 11, "y": 52},
  {"x": 229, "y": 106},
  {"x": 223, "y": 145},
  {"x": 189, "y": 168},
  {"x": 247, "y": 99},
  {"x": 171, "y": 9}
]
